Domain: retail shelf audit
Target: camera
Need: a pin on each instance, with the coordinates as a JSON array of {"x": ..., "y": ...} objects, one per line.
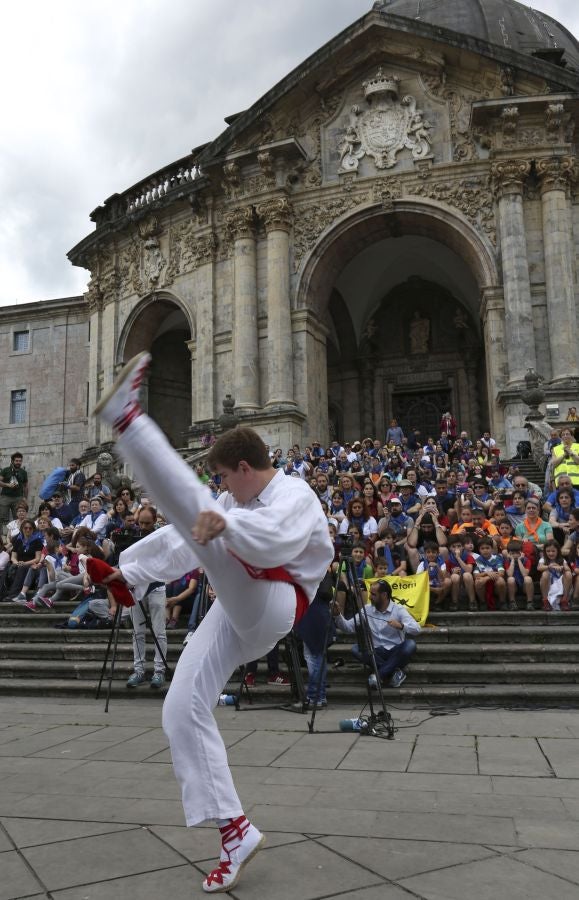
[{"x": 346, "y": 546}]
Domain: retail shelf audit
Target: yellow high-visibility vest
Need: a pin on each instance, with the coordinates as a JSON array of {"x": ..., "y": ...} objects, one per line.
[{"x": 565, "y": 466}]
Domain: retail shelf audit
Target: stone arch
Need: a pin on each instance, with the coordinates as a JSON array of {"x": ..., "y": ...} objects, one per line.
[
  {"x": 149, "y": 314},
  {"x": 417, "y": 246},
  {"x": 349, "y": 235},
  {"x": 165, "y": 327}
]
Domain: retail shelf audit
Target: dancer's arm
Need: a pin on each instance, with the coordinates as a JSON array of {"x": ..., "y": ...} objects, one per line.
[{"x": 284, "y": 529}]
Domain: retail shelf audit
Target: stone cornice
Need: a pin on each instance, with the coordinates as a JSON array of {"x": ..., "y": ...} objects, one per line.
[{"x": 44, "y": 309}]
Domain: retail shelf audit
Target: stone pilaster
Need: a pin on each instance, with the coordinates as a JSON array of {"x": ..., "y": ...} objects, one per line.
[
  {"x": 508, "y": 177},
  {"x": 277, "y": 217},
  {"x": 496, "y": 353},
  {"x": 203, "y": 405},
  {"x": 245, "y": 386},
  {"x": 556, "y": 175}
]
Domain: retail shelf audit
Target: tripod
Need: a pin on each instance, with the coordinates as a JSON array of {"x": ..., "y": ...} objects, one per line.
[
  {"x": 114, "y": 640},
  {"x": 379, "y": 722},
  {"x": 292, "y": 657}
]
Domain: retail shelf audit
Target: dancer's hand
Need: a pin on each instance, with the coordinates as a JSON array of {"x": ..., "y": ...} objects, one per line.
[{"x": 208, "y": 526}]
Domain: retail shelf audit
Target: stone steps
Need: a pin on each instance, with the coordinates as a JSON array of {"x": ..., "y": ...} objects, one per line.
[
  {"x": 463, "y": 657},
  {"x": 429, "y": 652},
  {"x": 429, "y": 696}
]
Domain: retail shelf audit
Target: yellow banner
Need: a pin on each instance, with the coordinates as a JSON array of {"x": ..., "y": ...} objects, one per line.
[{"x": 411, "y": 591}]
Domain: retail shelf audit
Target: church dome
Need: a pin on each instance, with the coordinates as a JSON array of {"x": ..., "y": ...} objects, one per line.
[{"x": 504, "y": 23}]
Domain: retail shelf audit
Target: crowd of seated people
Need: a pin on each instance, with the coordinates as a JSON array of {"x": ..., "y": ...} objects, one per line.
[{"x": 444, "y": 504}]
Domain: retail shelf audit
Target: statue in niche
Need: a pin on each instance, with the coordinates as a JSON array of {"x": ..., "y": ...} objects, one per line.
[{"x": 419, "y": 334}]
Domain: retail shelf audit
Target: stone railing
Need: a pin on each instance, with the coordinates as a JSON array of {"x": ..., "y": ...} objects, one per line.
[
  {"x": 539, "y": 432},
  {"x": 178, "y": 176},
  {"x": 184, "y": 172}
]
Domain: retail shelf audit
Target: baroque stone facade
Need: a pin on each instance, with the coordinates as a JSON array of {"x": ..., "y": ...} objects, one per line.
[{"x": 406, "y": 173}]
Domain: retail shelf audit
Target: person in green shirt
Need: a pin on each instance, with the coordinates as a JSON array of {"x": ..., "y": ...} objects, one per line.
[{"x": 13, "y": 486}]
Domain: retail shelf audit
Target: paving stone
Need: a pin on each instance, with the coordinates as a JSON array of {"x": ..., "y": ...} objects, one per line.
[
  {"x": 179, "y": 883},
  {"x": 46, "y": 806},
  {"x": 32, "y": 832},
  {"x": 137, "y": 749},
  {"x": 52, "y": 737},
  {"x": 563, "y": 756},
  {"x": 398, "y": 859},
  {"x": 16, "y": 879},
  {"x": 446, "y": 740},
  {"x": 511, "y": 756},
  {"x": 375, "y": 754},
  {"x": 320, "y": 751},
  {"x": 411, "y": 826},
  {"x": 500, "y": 877},
  {"x": 537, "y": 787},
  {"x": 127, "y": 853},
  {"x": 198, "y": 844},
  {"x": 261, "y": 748},
  {"x": 442, "y": 758},
  {"x": 548, "y": 834},
  {"x": 301, "y": 871},
  {"x": 564, "y": 863},
  {"x": 5, "y": 842},
  {"x": 552, "y": 808},
  {"x": 343, "y": 795}
]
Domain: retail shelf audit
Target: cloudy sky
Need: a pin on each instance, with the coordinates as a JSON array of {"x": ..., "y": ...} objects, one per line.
[{"x": 96, "y": 95}]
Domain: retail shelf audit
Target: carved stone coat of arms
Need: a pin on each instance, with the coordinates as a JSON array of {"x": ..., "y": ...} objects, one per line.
[{"x": 387, "y": 126}]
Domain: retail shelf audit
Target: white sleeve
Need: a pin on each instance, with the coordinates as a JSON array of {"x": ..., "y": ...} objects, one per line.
[{"x": 273, "y": 534}]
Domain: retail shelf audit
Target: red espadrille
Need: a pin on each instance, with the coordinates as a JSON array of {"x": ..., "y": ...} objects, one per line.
[{"x": 240, "y": 841}]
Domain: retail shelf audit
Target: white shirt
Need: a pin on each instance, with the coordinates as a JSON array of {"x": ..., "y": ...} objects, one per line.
[
  {"x": 98, "y": 523},
  {"x": 284, "y": 526},
  {"x": 383, "y": 635}
]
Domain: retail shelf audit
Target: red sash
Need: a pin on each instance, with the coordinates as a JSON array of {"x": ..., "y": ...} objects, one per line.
[{"x": 279, "y": 574}]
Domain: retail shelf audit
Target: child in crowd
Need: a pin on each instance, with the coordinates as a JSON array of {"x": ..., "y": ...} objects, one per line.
[
  {"x": 489, "y": 576},
  {"x": 556, "y": 577},
  {"x": 438, "y": 578},
  {"x": 459, "y": 566},
  {"x": 518, "y": 571},
  {"x": 393, "y": 554}
]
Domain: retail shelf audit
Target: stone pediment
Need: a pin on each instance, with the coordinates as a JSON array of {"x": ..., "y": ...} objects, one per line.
[{"x": 401, "y": 41}]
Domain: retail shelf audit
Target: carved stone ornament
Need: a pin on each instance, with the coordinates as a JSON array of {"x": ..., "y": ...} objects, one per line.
[
  {"x": 556, "y": 173},
  {"x": 386, "y": 127},
  {"x": 240, "y": 222},
  {"x": 469, "y": 195},
  {"x": 508, "y": 176},
  {"x": 153, "y": 262},
  {"x": 276, "y": 214},
  {"x": 312, "y": 221},
  {"x": 94, "y": 295}
]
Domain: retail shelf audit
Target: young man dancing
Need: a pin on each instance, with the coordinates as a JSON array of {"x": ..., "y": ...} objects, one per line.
[{"x": 264, "y": 546}]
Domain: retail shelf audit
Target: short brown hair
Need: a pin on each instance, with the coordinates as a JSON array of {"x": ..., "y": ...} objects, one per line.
[{"x": 240, "y": 443}]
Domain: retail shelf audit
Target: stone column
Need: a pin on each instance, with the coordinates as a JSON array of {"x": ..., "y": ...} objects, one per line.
[
  {"x": 496, "y": 353},
  {"x": 277, "y": 216},
  {"x": 203, "y": 404},
  {"x": 241, "y": 223},
  {"x": 508, "y": 177},
  {"x": 556, "y": 174}
]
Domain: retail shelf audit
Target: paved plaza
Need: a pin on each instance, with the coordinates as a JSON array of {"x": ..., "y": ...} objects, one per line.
[{"x": 483, "y": 804}]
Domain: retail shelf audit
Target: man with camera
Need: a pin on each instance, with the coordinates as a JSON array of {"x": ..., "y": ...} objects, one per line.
[
  {"x": 13, "y": 487},
  {"x": 390, "y": 626}
]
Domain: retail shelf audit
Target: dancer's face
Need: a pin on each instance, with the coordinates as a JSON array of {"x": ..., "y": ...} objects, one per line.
[{"x": 240, "y": 482}]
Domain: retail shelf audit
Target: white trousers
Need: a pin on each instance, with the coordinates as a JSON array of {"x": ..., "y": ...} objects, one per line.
[{"x": 245, "y": 622}]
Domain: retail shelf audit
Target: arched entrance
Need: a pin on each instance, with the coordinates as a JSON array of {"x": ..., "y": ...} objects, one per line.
[
  {"x": 161, "y": 326},
  {"x": 400, "y": 295}
]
